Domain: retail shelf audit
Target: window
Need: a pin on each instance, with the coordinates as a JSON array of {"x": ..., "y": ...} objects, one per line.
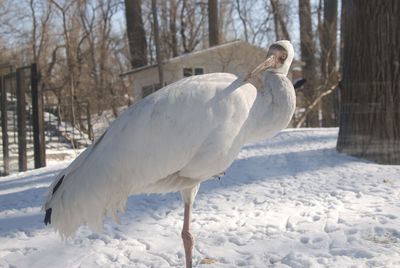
[
  {"x": 187, "y": 72},
  {"x": 147, "y": 90},
  {"x": 192, "y": 71},
  {"x": 198, "y": 71}
]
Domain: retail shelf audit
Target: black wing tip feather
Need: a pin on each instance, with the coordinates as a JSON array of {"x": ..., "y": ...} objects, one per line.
[
  {"x": 47, "y": 217},
  {"x": 58, "y": 184}
]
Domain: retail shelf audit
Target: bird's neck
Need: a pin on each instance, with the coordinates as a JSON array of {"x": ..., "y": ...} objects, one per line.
[{"x": 273, "y": 107}]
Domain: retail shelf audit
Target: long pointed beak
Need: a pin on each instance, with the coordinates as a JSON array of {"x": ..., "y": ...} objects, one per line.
[{"x": 270, "y": 61}]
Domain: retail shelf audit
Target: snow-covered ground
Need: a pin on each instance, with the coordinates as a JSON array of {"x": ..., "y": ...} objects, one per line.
[{"x": 292, "y": 201}]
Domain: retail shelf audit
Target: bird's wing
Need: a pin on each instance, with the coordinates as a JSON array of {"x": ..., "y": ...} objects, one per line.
[{"x": 163, "y": 134}]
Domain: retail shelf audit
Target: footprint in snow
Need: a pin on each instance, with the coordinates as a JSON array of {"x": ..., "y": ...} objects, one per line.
[
  {"x": 316, "y": 218},
  {"x": 384, "y": 236},
  {"x": 304, "y": 240},
  {"x": 23, "y": 251}
]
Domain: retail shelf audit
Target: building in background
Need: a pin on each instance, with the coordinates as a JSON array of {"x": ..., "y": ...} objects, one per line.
[{"x": 236, "y": 57}]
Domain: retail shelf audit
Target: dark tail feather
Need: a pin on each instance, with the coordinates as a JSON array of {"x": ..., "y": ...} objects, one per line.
[{"x": 47, "y": 217}]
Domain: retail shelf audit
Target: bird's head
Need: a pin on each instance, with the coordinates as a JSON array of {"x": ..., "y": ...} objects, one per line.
[
  {"x": 282, "y": 53},
  {"x": 279, "y": 58}
]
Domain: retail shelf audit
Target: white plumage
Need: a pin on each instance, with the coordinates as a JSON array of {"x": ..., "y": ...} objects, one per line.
[{"x": 172, "y": 140}]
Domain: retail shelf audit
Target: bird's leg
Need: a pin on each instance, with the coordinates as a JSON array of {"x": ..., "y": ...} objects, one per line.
[
  {"x": 187, "y": 237},
  {"x": 188, "y": 196}
]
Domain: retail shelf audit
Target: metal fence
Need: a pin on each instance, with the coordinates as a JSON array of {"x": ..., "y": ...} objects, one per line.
[
  {"x": 21, "y": 120},
  {"x": 28, "y": 125}
]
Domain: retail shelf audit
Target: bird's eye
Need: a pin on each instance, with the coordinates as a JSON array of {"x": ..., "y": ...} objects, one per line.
[{"x": 283, "y": 56}]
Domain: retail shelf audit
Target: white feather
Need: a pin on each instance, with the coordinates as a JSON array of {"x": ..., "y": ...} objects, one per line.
[{"x": 172, "y": 140}]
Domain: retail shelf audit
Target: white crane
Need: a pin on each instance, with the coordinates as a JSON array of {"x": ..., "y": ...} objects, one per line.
[{"x": 172, "y": 140}]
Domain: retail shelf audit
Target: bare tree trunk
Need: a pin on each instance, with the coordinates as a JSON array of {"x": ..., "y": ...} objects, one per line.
[
  {"x": 34, "y": 31},
  {"x": 39, "y": 39},
  {"x": 243, "y": 19},
  {"x": 281, "y": 31},
  {"x": 370, "y": 108},
  {"x": 213, "y": 25},
  {"x": 69, "y": 57},
  {"x": 308, "y": 57},
  {"x": 136, "y": 34},
  {"x": 172, "y": 27},
  {"x": 164, "y": 31},
  {"x": 157, "y": 43},
  {"x": 327, "y": 34},
  {"x": 191, "y": 23},
  {"x": 88, "y": 25}
]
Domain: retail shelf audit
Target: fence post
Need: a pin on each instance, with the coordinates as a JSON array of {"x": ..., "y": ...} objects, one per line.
[
  {"x": 4, "y": 126},
  {"x": 89, "y": 122},
  {"x": 39, "y": 143},
  {"x": 21, "y": 122}
]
